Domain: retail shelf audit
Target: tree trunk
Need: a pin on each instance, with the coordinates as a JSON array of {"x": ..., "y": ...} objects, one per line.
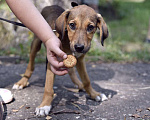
[{"x": 148, "y": 34}]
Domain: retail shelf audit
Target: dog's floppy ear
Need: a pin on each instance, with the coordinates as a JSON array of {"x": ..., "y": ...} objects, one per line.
[
  {"x": 61, "y": 22},
  {"x": 73, "y": 4},
  {"x": 103, "y": 28}
]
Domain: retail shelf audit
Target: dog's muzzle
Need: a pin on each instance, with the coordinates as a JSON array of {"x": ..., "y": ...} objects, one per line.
[{"x": 79, "y": 48}]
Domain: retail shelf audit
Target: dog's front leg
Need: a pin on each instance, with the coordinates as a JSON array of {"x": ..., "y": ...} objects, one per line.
[
  {"x": 86, "y": 81},
  {"x": 45, "y": 106},
  {"x": 75, "y": 79}
]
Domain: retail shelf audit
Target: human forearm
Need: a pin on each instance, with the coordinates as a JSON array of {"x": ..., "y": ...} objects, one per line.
[
  {"x": 28, "y": 14},
  {"x": 30, "y": 17}
]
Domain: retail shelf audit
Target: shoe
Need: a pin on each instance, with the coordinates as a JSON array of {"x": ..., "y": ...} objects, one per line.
[{"x": 5, "y": 95}]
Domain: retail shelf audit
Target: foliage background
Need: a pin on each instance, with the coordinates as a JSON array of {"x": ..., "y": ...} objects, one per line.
[
  {"x": 128, "y": 24},
  {"x": 128, "y": 27}
]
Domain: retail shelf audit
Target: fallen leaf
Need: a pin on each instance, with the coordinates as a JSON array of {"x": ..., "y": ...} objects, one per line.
[
  {"x": 148, "y": 108},
  {"x": 18, "y": 108},
  {"x": 139, "y": 110},
  {"x": 145, "y": 116},
  {"x": 61, "y": 104},
  {"x": 27, "y": 107},
  {"x": 65, "y": 111},
  {"x": 15, "y": 110},
  {"x": 22, "y": 75},
  {"x": 136, "y": 116},
  {"x": 71, "y": 89},
  {"x": 21, "y": 106},
  {"x": 48, "y": 118},
  {"x": 77, "y": 106}
]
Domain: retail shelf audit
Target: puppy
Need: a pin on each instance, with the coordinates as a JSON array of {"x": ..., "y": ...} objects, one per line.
[{"x": 75, "y": 28}]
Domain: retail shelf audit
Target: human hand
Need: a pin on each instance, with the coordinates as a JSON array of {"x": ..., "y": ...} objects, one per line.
[
  {"x": 54, "y": 55},
  {"x": 38, "y": 25}
]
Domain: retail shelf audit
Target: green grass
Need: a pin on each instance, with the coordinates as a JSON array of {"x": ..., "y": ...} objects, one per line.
[{"x": 127, "y": 35}]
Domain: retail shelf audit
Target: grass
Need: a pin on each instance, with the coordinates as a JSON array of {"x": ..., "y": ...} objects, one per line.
[
  {"x": 127, "y": 34},
  {"x": 126, "y": 37}
]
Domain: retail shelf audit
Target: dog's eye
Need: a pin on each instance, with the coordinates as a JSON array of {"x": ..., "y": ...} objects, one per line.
[
  {"x": 90, "y": 28},
  {"x": 72, "y": 26}
]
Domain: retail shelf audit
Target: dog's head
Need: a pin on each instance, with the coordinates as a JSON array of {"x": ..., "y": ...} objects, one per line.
[{"x": 81, "y": 23}]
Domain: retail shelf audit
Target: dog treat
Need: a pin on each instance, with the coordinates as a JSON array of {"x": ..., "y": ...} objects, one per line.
[{"x": 70, "y": 61}]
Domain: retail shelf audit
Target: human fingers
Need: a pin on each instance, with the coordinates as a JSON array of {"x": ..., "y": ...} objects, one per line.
[
  {"x": 60, "y": 71},
  {"x": 60, "y": 53},
  {"x": 52, "y": 58}
]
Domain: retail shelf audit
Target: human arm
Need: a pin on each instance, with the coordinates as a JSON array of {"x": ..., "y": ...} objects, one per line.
[{"x": 28, "y": 14}]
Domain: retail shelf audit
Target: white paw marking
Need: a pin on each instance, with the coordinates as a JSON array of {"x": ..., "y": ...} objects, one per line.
[
  {"x": 42, "y": 111},
  {"x": 19, "y": 87},
  {"x": 103, "y": 97},
  {"x": 16, "y": 87},
  {"x": 98, "y": 98}
]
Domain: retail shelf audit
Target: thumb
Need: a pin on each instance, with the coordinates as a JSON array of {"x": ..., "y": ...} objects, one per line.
[{"x": 60, "y": 53}]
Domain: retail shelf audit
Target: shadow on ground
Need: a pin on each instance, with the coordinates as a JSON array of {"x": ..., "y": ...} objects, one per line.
[{"x": 119, "y": 82}]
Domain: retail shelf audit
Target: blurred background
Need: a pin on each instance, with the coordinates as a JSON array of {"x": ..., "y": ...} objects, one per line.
[{"x": 129, "y": 31}]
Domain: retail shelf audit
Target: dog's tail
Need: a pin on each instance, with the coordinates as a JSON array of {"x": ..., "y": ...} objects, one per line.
[{"x": 13, "y": 22}]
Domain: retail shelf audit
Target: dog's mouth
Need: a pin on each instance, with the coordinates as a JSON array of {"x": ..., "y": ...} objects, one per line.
[
  {"x": 76, "y": 54},
  {"x": 79, "y": 50}
]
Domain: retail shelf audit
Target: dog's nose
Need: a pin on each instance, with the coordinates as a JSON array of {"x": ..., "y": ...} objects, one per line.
[{"x": 79, "y": 47}]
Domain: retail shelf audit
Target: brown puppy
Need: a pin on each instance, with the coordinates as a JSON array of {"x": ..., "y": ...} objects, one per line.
[{"x": 75, "y": 28}]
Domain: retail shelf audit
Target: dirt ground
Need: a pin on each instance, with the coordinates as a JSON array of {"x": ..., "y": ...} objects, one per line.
[{"x": 126, "y": 85}]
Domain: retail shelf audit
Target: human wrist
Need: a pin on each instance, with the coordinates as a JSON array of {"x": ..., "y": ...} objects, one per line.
[{"x": 49, "y": 39}]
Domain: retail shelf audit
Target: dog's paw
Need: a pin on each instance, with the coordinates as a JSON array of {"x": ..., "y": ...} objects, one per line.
[
  {"x": 102, "y": 98},
  {"x": 19, "y": 87},
  {"x": 42, "y": 111}
]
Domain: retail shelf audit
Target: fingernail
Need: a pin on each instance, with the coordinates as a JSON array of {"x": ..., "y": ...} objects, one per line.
[{"x": 65, "y": 56}]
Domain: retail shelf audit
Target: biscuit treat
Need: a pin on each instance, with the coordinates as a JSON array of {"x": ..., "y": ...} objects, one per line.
[{"x": 70, "y": 61}]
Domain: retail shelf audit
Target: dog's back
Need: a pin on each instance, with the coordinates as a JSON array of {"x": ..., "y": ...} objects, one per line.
[{"x": 51, "y": 13}]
